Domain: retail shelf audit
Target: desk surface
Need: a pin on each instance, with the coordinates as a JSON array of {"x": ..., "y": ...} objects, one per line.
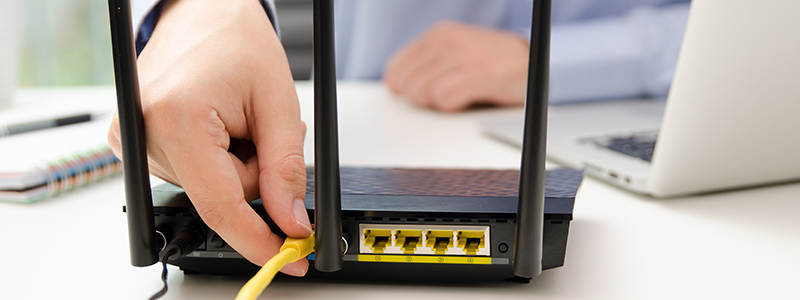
[{"x": 735, "y": 245}]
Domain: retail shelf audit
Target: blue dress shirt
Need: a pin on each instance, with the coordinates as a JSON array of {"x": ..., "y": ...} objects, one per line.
[{"x": 600, "y": 49}]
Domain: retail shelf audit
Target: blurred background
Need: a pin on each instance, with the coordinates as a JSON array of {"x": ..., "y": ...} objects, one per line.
[{"x": 66, "y": 42}]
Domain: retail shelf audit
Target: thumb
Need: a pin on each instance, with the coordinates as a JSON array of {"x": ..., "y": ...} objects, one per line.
[{"x": 278, "y": 136}]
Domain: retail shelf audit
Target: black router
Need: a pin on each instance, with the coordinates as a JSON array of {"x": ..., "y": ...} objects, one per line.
[{"x": 384, "y": 224}]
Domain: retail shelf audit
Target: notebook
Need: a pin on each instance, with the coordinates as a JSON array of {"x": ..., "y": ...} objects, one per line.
[
  {"x": 40, "y": 164},
  {"x": 729, "y": 122}
]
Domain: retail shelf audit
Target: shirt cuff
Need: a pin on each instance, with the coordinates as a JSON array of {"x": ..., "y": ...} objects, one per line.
[{"x": 148, "y": 24}]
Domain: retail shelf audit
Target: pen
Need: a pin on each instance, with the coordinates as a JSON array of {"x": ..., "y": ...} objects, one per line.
[{"x": 9, "y": 129}]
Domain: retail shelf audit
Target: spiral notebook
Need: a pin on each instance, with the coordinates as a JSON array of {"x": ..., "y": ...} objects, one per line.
[{"x": 44, "y": 163}]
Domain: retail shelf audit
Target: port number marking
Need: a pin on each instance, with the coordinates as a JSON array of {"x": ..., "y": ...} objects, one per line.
[
  {"x": 441, "y": 259},
  {"x": 377, "y": 258},
  {"x": 408, "y": 258}
]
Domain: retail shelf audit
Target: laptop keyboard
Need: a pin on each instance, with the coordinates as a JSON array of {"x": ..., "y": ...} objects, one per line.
[{"x": 639, "y": 145}]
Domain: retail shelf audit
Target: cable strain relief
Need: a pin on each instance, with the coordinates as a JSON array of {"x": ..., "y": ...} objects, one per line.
[{"x": 184, "y": 243}]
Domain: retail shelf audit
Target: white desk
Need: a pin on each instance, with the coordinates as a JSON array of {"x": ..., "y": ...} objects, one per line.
[{"x": 736, "y": 245}]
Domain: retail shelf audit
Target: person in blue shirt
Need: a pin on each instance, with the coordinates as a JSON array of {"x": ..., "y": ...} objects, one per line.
[
  {"x": 223, "y": 120},
  {"x": 600, "y": 49}
]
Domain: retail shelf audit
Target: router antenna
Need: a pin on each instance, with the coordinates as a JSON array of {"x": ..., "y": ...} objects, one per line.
[
  {"x": 138, "y": 199},
  {"x": 530, "y": 210},
  {"x": 327, "y": 187}
]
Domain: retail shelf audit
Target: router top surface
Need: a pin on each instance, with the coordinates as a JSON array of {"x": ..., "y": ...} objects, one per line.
[
  {"x": 491, "y": 193},
  {"x": 435, "y": 190}
]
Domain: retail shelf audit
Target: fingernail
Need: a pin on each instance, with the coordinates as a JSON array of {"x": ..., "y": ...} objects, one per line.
[
  {"x": 298, "y": 272},
  {"x": 300, "y": 214}
]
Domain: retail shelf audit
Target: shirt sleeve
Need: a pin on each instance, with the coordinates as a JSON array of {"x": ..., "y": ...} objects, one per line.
[
  {"x": 518, "y": 18},
  {"x": 145, "y": 15},
  {"x": 633, "y": 55}
]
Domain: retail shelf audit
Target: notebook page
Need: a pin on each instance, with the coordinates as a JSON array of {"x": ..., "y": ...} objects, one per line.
[{"x": 24, "y": 157}]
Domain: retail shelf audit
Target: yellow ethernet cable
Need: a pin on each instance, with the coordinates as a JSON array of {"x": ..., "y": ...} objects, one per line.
[{"x": 291, "y": 251}]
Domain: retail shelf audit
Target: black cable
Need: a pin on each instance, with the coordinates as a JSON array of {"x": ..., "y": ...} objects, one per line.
[
  {"x": 186, "y": 242},
  {"x": 163, "y": 275}
]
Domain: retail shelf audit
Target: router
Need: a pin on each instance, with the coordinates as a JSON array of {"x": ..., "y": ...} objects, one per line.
[
  {"x": 404, "y": 225},
  {"x": 371, "y": 223}
]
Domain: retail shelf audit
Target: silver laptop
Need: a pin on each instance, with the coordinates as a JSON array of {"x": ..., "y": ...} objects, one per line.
[{"x": 731, "y": 120}]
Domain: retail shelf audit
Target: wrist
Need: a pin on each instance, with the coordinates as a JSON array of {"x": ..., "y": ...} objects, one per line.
[
  {"x": 205, "y": 12},
  {"x": 170, "y": 9}
]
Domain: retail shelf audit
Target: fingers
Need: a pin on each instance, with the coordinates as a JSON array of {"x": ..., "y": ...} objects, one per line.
[
  {"x": 420, "y": 85},
  {"x": 305, "y": 129},
  {"x": 113, "y": 136},
  {"x": 455, "y": 65},
  {"x": 297, "y": 268},
  {"x": 198, "y": 74},
  {"x": 404, "y": 64},
  {"x": 248, "y": 175},
  {"x": 199, "y": 156},
  {"x": 419, "y": 69},
  {"x": 242, "y": 153},
  {"x": 278, "y": 134},
  {"x": 158, "y": 167},
  {"x": 447, "y": 86},
  {"x": 457, "y": 90}
]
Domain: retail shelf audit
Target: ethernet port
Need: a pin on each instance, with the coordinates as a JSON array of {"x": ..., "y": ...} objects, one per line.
[
  {"x": 408, "y": 240},
  {"x": 377, "y": 239},
  {"x": 439, "y": 240},
  {"x": 471, "y": 241}
]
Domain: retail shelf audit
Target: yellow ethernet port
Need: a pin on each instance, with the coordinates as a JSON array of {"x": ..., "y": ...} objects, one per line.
[
  {"x": 377, "y": 239},
  {"x": 471, "y": 241},
  {"x": 439, "y": 240},
  {"x": 408, "y": 240}
]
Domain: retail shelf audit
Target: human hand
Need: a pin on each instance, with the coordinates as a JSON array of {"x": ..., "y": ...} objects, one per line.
[
  {"x": 223, "y": 121},
  {"x": 455, "y": 65}
]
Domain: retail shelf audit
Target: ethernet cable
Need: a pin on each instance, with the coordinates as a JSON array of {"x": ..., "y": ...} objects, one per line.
[{"x": 291, "y": 251}]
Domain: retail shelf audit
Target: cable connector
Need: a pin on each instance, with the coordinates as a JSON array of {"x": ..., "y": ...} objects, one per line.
[
  {"x": 291, "y": 251},
  {"x": 304, "y": 247},
  {"x": 187, "y": 241}
]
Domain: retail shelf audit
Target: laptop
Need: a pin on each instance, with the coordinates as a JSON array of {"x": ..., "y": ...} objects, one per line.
[{"x": 730, "y": 121}]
